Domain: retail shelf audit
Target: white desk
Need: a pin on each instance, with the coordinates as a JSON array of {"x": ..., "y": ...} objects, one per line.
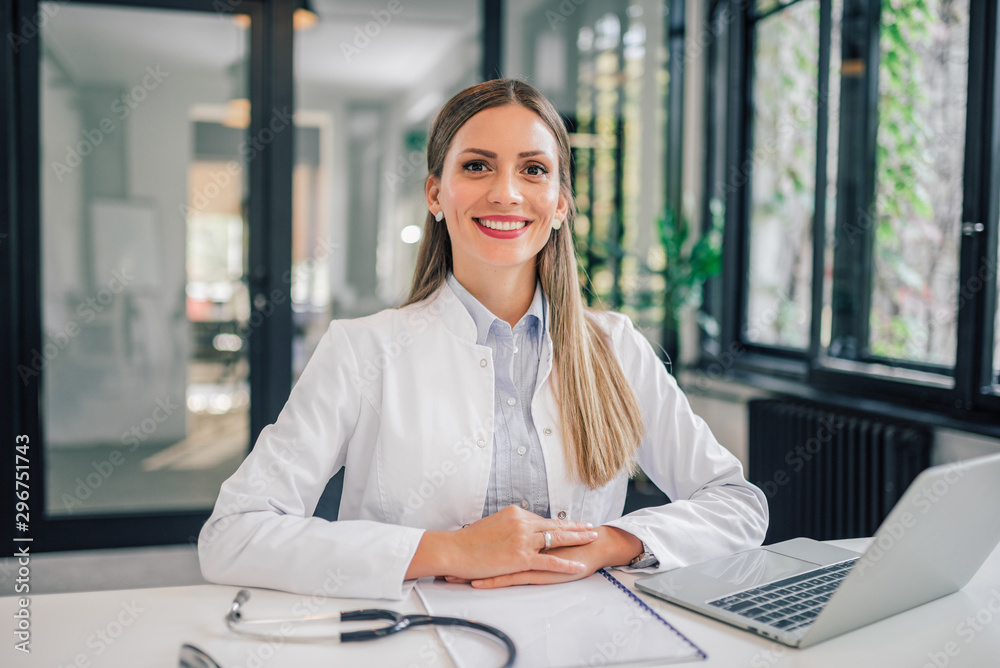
[{"x": 145, "y": 627}]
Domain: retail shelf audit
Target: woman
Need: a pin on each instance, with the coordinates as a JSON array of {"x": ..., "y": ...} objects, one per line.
[{"x": 489, "y": 425}]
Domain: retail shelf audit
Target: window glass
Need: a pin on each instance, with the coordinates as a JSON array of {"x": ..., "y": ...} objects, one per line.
[
  {"x": 832, "y": 162},
  {"x": 923, "y": 78},
  {"x": 143, "y": 241},
  {"x": 781, "y": 165}
]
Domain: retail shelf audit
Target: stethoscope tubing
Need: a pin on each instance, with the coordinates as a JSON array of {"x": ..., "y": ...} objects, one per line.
[{"x": 398, "y": 622}]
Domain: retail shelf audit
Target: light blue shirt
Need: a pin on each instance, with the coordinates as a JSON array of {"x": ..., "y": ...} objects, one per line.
[{"x": 517, "y": 473}]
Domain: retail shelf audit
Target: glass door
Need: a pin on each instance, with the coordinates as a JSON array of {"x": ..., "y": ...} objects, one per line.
[
  {"x": 145, "y": 393},
  {"x": 142, "y": 355}
]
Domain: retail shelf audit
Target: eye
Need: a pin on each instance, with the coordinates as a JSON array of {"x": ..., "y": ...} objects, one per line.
[
  {"x": 536, "y": 170},
  {"x": 475, "y": 166}
]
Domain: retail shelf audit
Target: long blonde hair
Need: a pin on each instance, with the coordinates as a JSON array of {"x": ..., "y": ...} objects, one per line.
[{"x": 601, "y": 419}]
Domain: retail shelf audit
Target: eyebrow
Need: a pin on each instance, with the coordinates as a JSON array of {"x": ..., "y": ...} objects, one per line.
[{"x": 491, "y": 154}]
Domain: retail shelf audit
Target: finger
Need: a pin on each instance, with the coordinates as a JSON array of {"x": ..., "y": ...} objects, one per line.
[
  {"x": 567, "y": 538},
  {"x": 457, "y": 580},
  {"x": 548, "y": 562},
  {"x": 509, "y": 580},
  {"x": 523, "y": 578},
  {"x": 563, "y": 525}
]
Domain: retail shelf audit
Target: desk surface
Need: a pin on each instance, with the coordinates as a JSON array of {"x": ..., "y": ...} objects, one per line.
[{"x": 145, "y": 627}]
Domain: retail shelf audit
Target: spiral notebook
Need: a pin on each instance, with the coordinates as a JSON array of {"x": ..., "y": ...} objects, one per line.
[{"x": 593, "y": 621}]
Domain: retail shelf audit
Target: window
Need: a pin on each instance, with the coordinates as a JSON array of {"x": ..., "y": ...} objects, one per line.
[
  {"x": 783, "y": 164},
  {"x": 881, "y": 281}
]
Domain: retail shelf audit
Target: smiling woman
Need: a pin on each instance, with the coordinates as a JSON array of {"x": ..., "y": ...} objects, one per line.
[
  {"x": 500, "y": 181},
  {"x": 489, "y": 425}
]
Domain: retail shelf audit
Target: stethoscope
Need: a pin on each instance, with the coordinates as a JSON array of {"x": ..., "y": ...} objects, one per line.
[{"x": 397, "y": 622}]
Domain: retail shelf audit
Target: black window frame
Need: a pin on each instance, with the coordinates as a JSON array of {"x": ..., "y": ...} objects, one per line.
[{"x": 966, "y": 396}]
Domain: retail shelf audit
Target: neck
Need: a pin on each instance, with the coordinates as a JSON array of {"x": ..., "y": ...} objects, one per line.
[{"x": 507, "y": 292}]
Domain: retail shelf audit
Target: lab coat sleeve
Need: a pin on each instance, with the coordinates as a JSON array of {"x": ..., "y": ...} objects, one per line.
[
  {"x": 262, "y": 533},
  {"x": 714, "y": 510}
]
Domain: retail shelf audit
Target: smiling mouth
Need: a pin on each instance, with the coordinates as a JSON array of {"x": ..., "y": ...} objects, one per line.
[{"x": 502, "y": 226}]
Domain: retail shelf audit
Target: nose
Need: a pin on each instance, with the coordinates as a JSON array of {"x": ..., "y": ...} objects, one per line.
[{"x": 504, "y": 190}]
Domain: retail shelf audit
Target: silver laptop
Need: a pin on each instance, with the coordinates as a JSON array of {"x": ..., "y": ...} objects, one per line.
[{"x": 801, "y": 592}]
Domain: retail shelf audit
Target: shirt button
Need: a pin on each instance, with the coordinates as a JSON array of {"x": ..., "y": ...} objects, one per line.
[
  {"x": 524, "y": 504},
  {"x": 561, "y": 515},
  {"x": 483, "y": 362},
  {"x": 481, "y": 443},
  {"x": 511, "y": 401},
  {"x": 521, "y": 450},
  {"x": 516, "y": 349},
  {"x": 547, "y": 431}
]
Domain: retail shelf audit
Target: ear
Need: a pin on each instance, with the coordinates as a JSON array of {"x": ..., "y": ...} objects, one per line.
[
  {"x": 562, "y": 208},
  {"x": 432, "y": 189}
]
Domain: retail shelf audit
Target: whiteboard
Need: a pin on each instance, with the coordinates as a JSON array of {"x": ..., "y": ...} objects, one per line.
[{"x": 125, "y": 242}]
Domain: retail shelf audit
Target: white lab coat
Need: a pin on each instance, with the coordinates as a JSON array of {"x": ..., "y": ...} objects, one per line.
[{"x": 404, "y": 400}]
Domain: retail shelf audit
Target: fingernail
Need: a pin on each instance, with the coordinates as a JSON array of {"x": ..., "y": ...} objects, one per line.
[
  {"x": 579, "y": 566},
  {"x": 589, "y": 525},
  {"x": 591, "y": 534}
]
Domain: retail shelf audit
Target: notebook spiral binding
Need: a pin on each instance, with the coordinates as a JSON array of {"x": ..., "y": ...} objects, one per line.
[{"x": 642, "y": 604}]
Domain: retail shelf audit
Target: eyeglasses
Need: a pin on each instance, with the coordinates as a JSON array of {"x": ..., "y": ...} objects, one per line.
[{"x": 396, "y": 622}]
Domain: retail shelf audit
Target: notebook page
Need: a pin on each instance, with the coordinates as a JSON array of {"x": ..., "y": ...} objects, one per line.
[{"x": 589, "y": 622}]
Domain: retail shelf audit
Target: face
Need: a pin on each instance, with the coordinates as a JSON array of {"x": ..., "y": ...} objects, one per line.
[{"x": 499, "y": 190}]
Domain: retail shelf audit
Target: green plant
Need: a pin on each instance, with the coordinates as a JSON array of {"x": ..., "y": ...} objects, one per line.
[{"x": 680, "y": 262}]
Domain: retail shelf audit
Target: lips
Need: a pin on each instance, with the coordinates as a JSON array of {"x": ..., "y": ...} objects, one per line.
[{"x": 502, "y": 227}]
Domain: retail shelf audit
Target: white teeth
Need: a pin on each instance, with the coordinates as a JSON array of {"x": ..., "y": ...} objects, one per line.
[{"x": 507, "y": 226}]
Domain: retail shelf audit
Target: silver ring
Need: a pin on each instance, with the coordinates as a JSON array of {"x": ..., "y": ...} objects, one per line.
[{"x": 548, "y": 539}]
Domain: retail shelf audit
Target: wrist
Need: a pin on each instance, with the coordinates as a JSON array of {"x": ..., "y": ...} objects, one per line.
[
  {"x": 434, "y": 555},
  {"x": 620, "y": 547}
]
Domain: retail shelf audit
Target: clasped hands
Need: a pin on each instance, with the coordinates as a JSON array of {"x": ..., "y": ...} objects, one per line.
[{"x": 509, "y": 548}]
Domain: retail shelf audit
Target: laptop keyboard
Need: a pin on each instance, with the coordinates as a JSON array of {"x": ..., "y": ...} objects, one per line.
[{"x": 791, "y": 603}]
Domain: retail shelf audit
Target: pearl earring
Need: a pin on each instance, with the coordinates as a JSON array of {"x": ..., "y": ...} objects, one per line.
[
  {"x": 556, "y": 224},
  {"x": 439, "y": 216}
]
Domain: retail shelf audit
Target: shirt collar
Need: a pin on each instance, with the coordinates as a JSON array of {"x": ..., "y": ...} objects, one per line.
[{"x": 536, "y": 318}]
